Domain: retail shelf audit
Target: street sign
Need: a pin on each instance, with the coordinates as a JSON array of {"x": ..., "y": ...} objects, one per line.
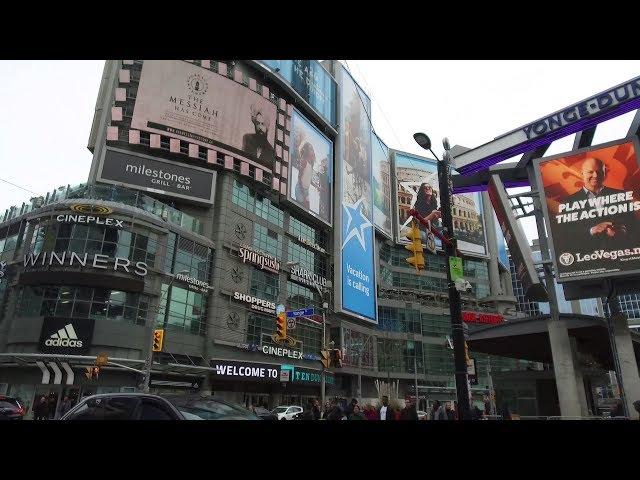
[
  {"x": 471, "y": 372},
  {"x": 284, "y": 375},
  {"x": 291, "y": 323},
  {"x": 303, "y": 312}
]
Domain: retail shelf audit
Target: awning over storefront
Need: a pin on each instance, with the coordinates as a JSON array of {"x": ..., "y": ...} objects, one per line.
[
  {"x": 59, "y": 369},
  {"x": 528, "y": 338}
]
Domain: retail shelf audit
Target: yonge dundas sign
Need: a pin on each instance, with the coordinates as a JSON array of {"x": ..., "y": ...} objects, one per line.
[{"x": 261, "y": 259}]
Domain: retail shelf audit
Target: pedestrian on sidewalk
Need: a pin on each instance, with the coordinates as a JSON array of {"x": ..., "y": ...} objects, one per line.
[
  {"x": 386, "y": 411},
  {"x": 357, "y": 414}
]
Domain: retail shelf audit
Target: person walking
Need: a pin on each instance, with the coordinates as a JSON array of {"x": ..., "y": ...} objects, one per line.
[
  {"x": 357, "y": 414},
  {"x": 439, "y": 412},
  {"x": 409, "y": 412},
  {"x": 41, "y": 409},
  {"x": 316, "y": 410},
  {"x": 65, "y": 406},
  {"x": 386, "y": 411}
]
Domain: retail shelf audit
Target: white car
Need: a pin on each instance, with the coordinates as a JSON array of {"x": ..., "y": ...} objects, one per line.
[{"x": 286, "y": 412}]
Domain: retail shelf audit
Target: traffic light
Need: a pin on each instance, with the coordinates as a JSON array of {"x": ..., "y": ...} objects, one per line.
[
  {"x": 325, "y": 359},
  {"x": 92, "y": 372},
  {"x": 415, "y": 247},
  {"x": 158, "y": 337},
  {"x": 281, "y": 325},
  {"x": 336, "y": 358}
]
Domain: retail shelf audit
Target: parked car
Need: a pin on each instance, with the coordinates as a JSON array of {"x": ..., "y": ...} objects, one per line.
[
  {"x": 142, "y": 406},
  {"x": 11, "y": 408},
  {"x": 287, "y": 412},
  {"x": 264, "y": 414},
  {"x": 422, "y": 415}
]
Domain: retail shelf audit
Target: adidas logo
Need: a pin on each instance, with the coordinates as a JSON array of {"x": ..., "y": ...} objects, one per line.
[{"x": 65, "y": 337}]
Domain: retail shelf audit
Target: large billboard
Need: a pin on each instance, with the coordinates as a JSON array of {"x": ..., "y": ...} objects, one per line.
[
  {"x": 381, "y": 186},
  {"x": 185, "y": 101},
  {"x": 417, "y": 187},
  {"x": 355, "y": 241},
  {"x": 516, "y": 241},
  {"x": 143, "y": 172},
  {"x": 311, "y": 168},
  {"x": 311, "y": 81},
  {"x": 592, "y": 209}
]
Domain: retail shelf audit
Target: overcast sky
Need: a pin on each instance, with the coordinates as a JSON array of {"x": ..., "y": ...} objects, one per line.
[{"x": 48, "y": 108}]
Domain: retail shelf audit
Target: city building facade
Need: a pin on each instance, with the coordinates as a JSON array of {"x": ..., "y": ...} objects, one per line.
[{"x": 210, "y": 239}]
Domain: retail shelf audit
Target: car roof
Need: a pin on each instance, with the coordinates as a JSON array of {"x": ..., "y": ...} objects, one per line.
[{"x": 123, "y": 394}]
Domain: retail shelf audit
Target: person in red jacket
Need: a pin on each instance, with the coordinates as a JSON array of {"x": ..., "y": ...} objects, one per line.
[{"x": 370, "y": 412}]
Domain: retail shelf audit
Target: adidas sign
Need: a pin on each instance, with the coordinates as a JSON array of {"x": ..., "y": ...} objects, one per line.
[{"x": 65, "y": 337}]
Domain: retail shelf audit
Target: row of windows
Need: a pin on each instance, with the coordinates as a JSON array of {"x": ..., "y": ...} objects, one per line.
[
  {"x": 245, "y": 198},
  {"x": 397, "y": 255},
  {"x": 182, "y": 309},
  {"x": 266, "y": 285},
  {"x": 393, "y": 319},
  {"x": 95, "y": 239},
  {"x": 308, "y": 259},
  {"x": 260, "y": 328},
  {"x": 267, "y": 240},
  {"x": 82, "y": 302},
  {"x": 310, "y": 234}
]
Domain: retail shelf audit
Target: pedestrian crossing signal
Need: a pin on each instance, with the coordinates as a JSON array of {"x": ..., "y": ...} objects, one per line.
[
  {"x": 158, "y": 337},
  {"x": 415, "y": 247}
]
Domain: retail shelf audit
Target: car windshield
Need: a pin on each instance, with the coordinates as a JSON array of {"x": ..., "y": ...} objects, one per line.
[
  {"x": 210, "y": 409},
  {"x": 280, "y": 409}
]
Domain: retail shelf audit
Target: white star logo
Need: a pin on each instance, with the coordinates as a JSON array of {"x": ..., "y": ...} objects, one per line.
[{"x": 359, "y": 221}]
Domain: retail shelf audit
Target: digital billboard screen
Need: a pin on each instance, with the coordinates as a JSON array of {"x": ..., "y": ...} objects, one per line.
[
  {"x": 592, "y": 209},
  {"x": 381, "y": 186},
  {"x": 185, "y": 101},
  {"x": 311, "y": 169},
  {"x": 355, "y": 240},
  {"x": 417, "y": 187}
]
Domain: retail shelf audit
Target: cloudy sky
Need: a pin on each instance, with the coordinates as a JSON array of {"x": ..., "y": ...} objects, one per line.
[{"x": 48, "y": 108}]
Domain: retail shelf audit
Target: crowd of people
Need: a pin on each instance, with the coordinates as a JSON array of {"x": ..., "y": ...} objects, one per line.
[{"x": 337, "y": 410}]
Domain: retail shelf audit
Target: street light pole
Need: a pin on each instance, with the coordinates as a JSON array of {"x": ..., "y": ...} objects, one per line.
[
  {"x": 149, "y": 360},
  {"x": 450, "y": 247}
]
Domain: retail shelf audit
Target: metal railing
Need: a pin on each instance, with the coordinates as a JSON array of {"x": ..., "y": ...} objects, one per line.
[{"x": 110, "y": 193}]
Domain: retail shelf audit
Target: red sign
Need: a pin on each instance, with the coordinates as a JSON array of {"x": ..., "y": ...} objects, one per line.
[{"x": 477, "y": 317}]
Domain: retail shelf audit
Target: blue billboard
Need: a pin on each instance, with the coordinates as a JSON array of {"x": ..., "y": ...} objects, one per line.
[
  {"x": 311, "y": 81},
  {"x": 355, "y": 242}
]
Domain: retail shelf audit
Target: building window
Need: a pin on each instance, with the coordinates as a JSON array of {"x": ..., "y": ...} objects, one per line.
[
  {"x": 264, "y": 285},
  {"x": 187, "y": 310},
  {"x": 245, "y": 198},
  {"x": 95, "y": 239},
  {"x": 267, "y": 240},
  {"x": 300, "y": 229},
  {"x": 83, "y": 302},
  {"x": 301, "y": 297},
  {"x": 308, "y": 259}
]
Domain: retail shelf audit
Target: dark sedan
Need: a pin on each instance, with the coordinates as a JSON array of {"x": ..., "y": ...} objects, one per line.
[
  {"x": 142, "y": 406},
  {"x": 11, "y": 408}
]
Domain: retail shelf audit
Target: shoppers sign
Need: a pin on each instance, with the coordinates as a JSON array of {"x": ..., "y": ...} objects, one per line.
[
  {"x": 66, "y": 336},
  {"x": 72, "y": 259},
  {"x": 304, "y": 276},
  {"x": 143, "y": 172},
  {"x": 257, "y": 304},
  {"x": 261, "y": 259},
  {"x": 592, "y": 209}
]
